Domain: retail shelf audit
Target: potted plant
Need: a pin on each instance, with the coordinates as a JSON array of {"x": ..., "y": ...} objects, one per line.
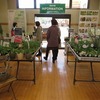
[
  {"x": 13, "y": 46},
  {"x": 4, "y": 50},
  {"x": 19, "y": 53},
  {"x": 28, "y": 53},
  {"x": 29, "y": 48},
  {"x": 12, "y": 54}
]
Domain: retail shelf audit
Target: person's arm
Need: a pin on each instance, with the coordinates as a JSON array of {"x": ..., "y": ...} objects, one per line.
[
  {"x": 35, "y": 29},
  {"x": 48, "y": 34},
  {"x": 59, "y": 31}
]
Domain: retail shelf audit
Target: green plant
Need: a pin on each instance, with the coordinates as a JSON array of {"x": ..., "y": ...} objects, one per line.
[
  {"x": 29, "y": 51},
  {"x": 13, "y": 45},
  {"x": 85, "y": 48},
  {"x": 30, "y": 46},
  {"x": 25, "y": 44},
  {"x": 66, "y": 39},
  {"x": 94, "y": 35},
  {"x": 34, "y": 44},
  {"x": 4, "y": 50},
  {"x": 19, "y": 50}
]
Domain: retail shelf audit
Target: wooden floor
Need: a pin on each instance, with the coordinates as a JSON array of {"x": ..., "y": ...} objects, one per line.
[{"x": 55, "y": 81}]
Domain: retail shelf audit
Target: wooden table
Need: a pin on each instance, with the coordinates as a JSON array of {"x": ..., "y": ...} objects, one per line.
[
  {"x": 33, "y": 65},
  {"x": 82, "y": 59}
]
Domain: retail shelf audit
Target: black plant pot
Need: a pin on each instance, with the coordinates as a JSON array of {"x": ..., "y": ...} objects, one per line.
[
  {"x": 28, "y": 56},
  {"x": 12, "y": 56}
]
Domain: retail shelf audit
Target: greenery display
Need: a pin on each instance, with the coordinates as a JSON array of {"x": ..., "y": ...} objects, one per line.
[
  {"x": 15, "y": 48},
  {"x": 94, "y": 35},
  {"x": 4, "y": 50},
  {"x": 89, "y": 47},
  {"x": 30, "y": 46}
]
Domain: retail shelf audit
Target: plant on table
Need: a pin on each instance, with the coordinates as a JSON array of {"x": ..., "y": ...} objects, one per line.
[
  {"x": 30, "y": 47},
  {"x": 89, "y": 47}
]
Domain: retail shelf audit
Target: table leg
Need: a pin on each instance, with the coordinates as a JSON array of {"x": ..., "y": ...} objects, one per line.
[
  {"x": 67, "y": 54},
  {"x": 41, "y": 54},
  {"x": 34, "y": 70},
  {"x": 74, "y": 72},
  {"x": 92, "y": 71},
  {"x": 17, "y": 69}
]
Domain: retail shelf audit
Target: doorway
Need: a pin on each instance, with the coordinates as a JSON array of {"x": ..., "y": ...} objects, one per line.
[
  {"x": 64, "y": 21},
  {"x": 64, "y": 27}
]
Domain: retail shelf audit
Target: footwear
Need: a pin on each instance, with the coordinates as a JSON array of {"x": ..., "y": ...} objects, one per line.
[
  {"x": 53, "y": 61},
  {"x": 54, "y": 58},
  {"x": 45, "y": 58}
]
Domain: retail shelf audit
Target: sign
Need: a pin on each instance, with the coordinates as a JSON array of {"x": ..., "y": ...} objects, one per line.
[
  {"x": 87, "y": 19},
  {"x": 18, "y": 39},
  {"x": 18, "y": 31},
  {"x": 52, "y": 8}
]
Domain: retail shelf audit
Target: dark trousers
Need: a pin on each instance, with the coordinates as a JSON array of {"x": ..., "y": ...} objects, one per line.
[{"x": 54, "y": 52}]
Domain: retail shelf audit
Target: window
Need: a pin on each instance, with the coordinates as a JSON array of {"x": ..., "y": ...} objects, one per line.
[
  {"x": 66, "y": 2},
  {"x": 45, "y": 21},
  {"x": 38, "y": 2},
  {"x": 79, "y": 3},
  {"x": 25, "y": 3}
]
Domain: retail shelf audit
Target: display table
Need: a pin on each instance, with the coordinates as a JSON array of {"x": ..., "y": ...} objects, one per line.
[
  {"x": 33, "y": 65},
  {"x": 82, "y": 59}
]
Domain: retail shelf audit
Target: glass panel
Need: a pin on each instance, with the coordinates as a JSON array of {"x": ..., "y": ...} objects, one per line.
[
  {"x": 79, "y": 3},
  {"x": 44, "y": 21},
  {"x": 66, "y": 2},
  {"x": 64, "y": 26},
  {"x": 26, "y": 3},
  {"x": 38, "y": 2}
]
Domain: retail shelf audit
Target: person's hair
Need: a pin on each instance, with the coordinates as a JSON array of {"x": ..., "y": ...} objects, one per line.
[
  {"x": 54, "y": 22},
  {"x": 14, "y": 24},
  {"x": 37, "y": 23}
]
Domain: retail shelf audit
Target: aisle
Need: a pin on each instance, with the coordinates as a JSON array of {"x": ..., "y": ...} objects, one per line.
[{"x": 55, "y": 81}]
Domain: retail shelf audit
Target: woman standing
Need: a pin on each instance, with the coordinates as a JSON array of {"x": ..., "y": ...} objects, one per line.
[
  {"x": 38, "y": 32},
  {"x": 52, "y": 39},
  {"x": 13, "y": 29}
]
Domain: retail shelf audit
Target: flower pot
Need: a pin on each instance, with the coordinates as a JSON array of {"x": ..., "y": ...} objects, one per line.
[
  {"x": 12, "y": 55},
  {"x": 28, "y": 56},
  {"x": 20, "y": 56}
]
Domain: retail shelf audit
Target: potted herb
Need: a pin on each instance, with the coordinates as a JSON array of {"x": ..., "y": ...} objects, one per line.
[
  {"x": 28, "y": 53},
  {"x": 29, "y": 48},
  {"x": 12, "y": 54},
  {"x": 13, "y": 46},
  {"x": 4, "y": 50},
  {"x": 19, "y": 53}
]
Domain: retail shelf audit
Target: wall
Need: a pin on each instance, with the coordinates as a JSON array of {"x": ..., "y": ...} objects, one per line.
[
  {"x": 11, "y": 4},
  {"x": 3, "y": 15}
]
